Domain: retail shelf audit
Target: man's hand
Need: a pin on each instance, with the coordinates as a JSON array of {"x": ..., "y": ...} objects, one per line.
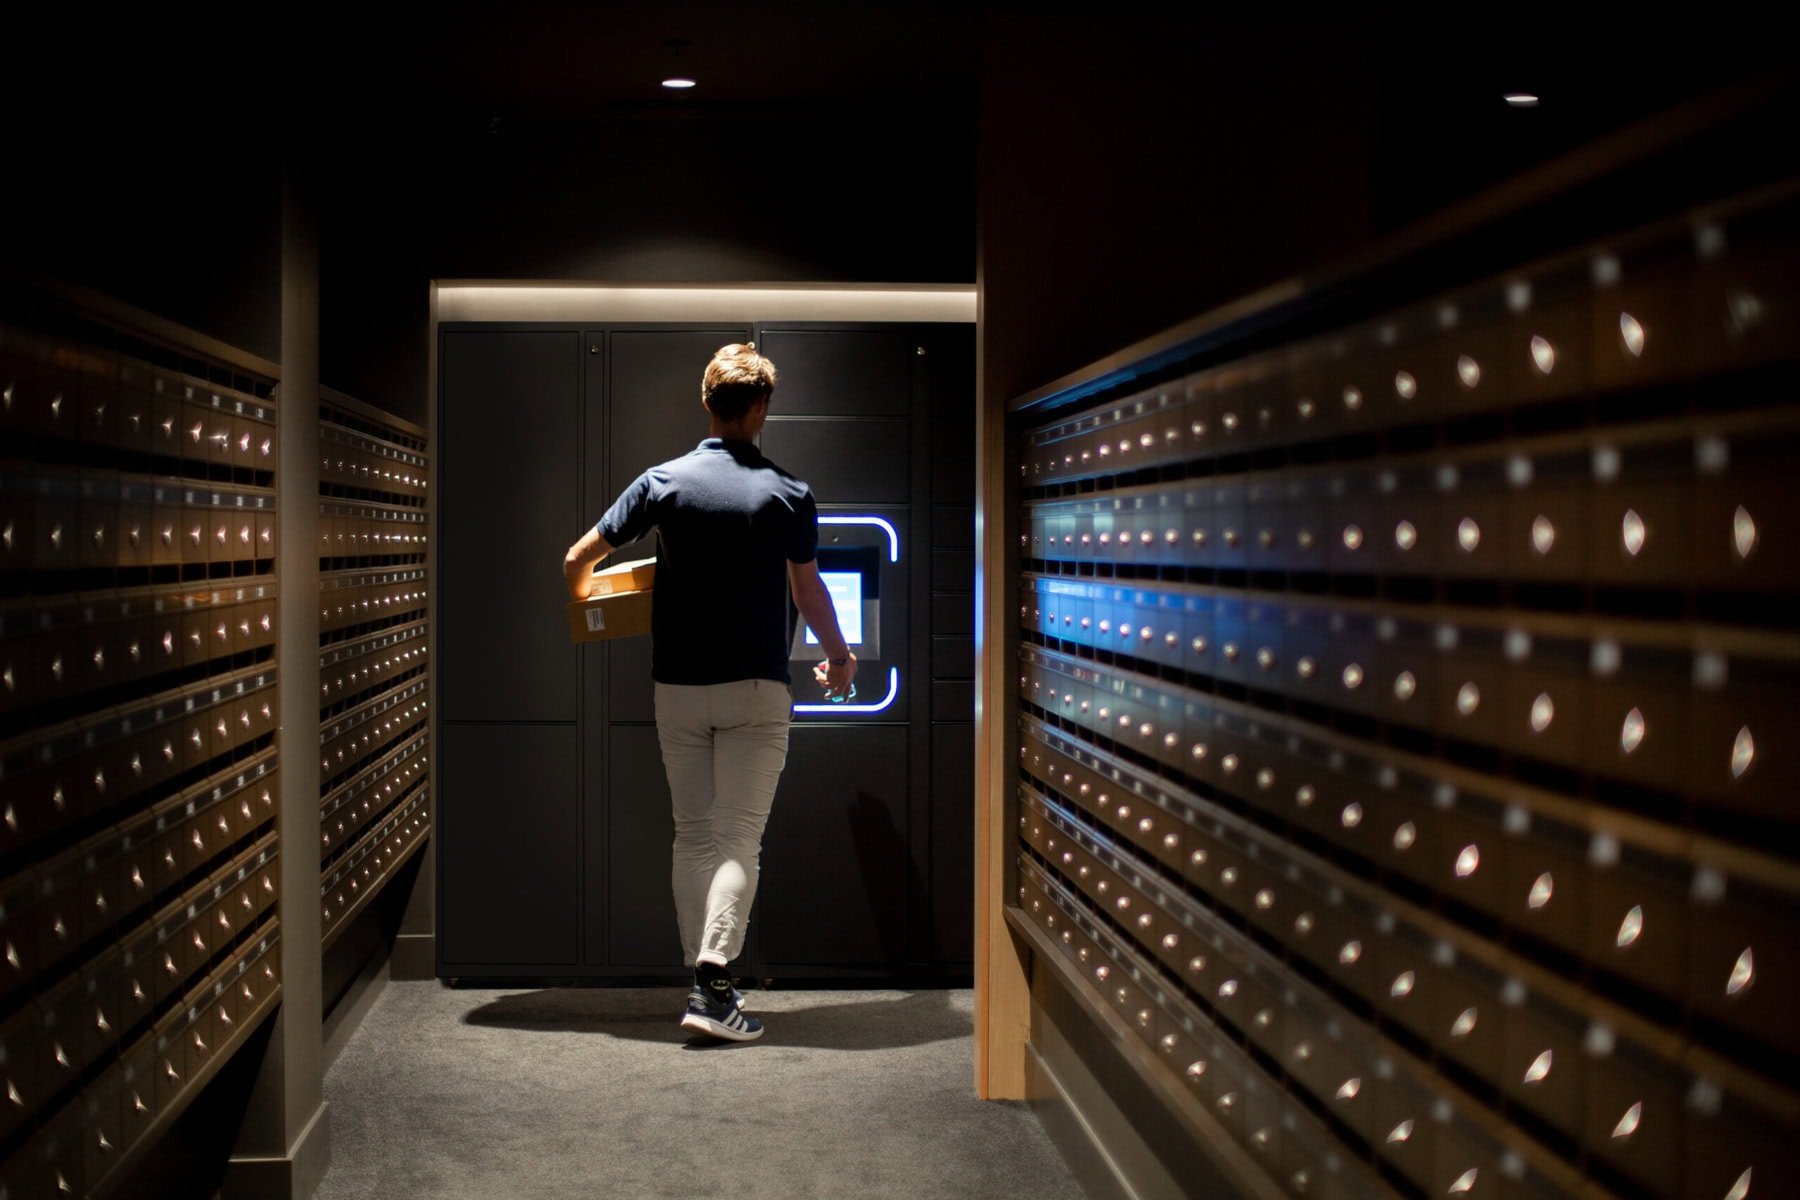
[
  {"x": 836, "y": 679},
  {"x": 579, "y": 562},
  {"x": 814, "y": 603}
]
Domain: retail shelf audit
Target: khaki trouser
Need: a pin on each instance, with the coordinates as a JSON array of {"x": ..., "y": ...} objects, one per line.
[{"x": 723, "y": 746}]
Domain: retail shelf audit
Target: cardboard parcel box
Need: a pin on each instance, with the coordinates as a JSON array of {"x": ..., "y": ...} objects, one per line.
[{"x": 619, "y": 605}]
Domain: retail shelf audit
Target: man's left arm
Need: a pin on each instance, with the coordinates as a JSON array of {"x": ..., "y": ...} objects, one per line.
[{"x": 581, "y": 559}]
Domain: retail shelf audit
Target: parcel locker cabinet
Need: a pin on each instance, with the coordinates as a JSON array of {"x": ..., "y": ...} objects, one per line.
[
  {"x": 510, "y": 495},
  {"x": 870, "y": 827}
]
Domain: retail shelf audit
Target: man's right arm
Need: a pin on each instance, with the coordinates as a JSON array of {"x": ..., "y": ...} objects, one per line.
[
  {"x": 629, "y": 518},
  {"x": 820, "y": 615},
  {"x": 579, "y": 562}
]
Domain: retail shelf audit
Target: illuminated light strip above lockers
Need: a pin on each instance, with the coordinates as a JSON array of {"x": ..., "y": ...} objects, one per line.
[{"x": 466, "y": 300}]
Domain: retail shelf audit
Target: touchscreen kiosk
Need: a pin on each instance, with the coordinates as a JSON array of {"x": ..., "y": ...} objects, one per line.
[{"x": 860, "y": 564}]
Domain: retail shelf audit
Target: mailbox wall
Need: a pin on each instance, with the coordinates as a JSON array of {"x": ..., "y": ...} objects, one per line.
[
  {"x": 140, "y": 863},
  {"x": 1402, "y": 679}
]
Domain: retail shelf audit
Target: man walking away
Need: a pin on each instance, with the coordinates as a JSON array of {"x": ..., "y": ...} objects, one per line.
[{"x": 736, "y": 536}]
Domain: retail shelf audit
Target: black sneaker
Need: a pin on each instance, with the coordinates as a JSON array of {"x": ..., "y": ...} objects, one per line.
[{"x": 719, "y": 1019}]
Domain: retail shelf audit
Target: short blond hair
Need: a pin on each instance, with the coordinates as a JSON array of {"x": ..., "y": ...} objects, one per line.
[{"x": 735, "y": 379}]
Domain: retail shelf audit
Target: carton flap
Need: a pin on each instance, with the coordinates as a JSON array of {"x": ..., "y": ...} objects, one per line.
[{"x": 637, "y": 576}]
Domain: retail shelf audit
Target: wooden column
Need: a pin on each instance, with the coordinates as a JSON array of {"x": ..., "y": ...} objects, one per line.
[{"x": 1002, "y": 977}]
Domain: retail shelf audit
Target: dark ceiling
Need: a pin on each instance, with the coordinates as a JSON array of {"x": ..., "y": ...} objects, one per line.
[
  {"x": 565, "y": 60},
  {"x": 388, "y": 78},
  {"x": 562, "y": 60}
]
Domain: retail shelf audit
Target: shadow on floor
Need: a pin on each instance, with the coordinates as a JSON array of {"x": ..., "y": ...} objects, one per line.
[{"x": 914, "y": 1019}]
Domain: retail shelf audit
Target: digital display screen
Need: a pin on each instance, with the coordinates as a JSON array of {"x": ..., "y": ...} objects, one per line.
[{"x": 847, "y": 598}]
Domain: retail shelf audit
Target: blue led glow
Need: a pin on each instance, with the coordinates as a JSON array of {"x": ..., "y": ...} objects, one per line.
[
  {"x": 893, "y": 534},
  {"x": 892, "y": 691}
]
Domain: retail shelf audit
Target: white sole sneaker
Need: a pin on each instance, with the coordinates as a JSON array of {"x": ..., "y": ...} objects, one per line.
[{"x": 734, "y": 1027}]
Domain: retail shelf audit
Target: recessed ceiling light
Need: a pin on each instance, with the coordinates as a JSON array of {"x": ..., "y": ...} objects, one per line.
[
  {"x": 677, "y": 82},
  {"x": 1521, "y": 99}
]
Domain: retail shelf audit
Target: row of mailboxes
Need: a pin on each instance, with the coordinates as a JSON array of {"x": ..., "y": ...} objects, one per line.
[
  {"x": 1441, "y": 1146},
  {"x": 364, "y": 799},
  {"x": 1704, "y": 505},
  {"x": 359, "y": 529},
  {"x": 116, "y": 407},
  {"x": 54, "y": 909},
  {"x": 57, "y": 777},
  {"x": 347, "y": 886},
  {"x": 361, "y": 597},
  {"x": 364, "y": 732},
  {"x": 53, "y": 1040},
  {"x": 1237, "y": 1095},
  {"x": 1417, "y": 971},
  {"x": 1586, "y": 326},
  {"x": 1648, "y": 916},
  {"x": 80, "y": 1146},
  {"x": 1622, "y": 1101},
  {"x": 1698, "y": 712},
  {"x": 348, "y": 669},
  {"x": 356, "y": 460},
  {"x": 374, "y": 692},
  {"x": 138, "y": 792},
  {"x": 65, "y": 520},
  {"x": 56, "y": 652}
]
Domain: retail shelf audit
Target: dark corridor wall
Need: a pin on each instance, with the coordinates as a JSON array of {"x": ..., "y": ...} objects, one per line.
[
  {"x": 1135, "y": 171},
  {"x": 200, "y": 246},
  {"x": 861, "y": 196}
]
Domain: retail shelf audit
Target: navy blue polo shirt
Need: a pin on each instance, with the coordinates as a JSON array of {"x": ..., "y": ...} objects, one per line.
[{"x": 728, "y": 522}]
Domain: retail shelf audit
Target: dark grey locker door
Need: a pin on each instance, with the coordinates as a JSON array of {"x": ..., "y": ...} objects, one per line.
[
  {"x": 951, "y": 380},
  {"x": 841, "y": 372},
  {"x": 840, "y": 415},
  {"x": 639, "y": 837},
  {"x": 835, "y": 857},
  {"x": 847, "y": 461},
  {"x": 952, "y": 843},
  {"x": 653, "y": 414},
  {"x": 509, "y": 505},
  {"x": 507, "y": 827}
]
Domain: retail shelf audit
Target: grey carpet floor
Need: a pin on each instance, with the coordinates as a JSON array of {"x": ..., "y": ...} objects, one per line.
[{"x": 540, "y": 1095}]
